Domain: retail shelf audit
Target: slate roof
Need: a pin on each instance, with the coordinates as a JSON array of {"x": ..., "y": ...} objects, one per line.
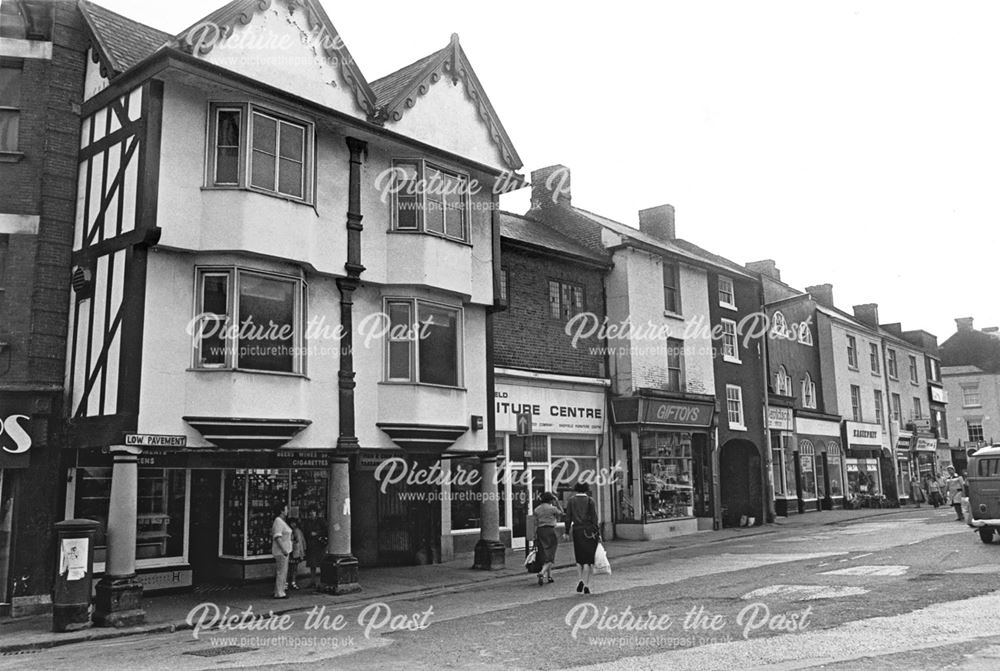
[
  {"x": 387, "y": 88},
  {"x": 523, "y": 229},
  {"x": 972, "y": 348},
  {"x": 126, "y": 42}
]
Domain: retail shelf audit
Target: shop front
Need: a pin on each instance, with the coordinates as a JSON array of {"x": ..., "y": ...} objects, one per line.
[
  {"x": 925, "y": 448},
  {"x": 820, "y": 464},
  {"x": 864, "y": 471},
  {"x": 203, "y": 515},
  {"x": 904, "y": 468},
  {"x": 567, "y": 426},
  {"x": 666, "y": 448},
  {"x": 781, "y": 424}
]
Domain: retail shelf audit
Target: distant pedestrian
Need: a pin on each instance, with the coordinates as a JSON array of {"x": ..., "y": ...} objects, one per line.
[
  {"x": 298, "y": 552},
  {"x": 916, "y": 491},
  {"x": 547, "y": 515},
  {"x": 933, "y": 488},
  {"x": 583, "y": 528},
  {"x": 281, "y": 547},
  {"x": 954, "y": 488}
]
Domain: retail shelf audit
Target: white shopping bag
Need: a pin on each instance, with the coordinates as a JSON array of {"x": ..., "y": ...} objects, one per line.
[{"x": 601, "y": 563}]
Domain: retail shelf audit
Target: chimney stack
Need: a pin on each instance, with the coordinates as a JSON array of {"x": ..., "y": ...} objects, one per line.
[
  {"x": 867, "y": 314},
  {"x": 550, "y": 186},
  {"x": 895, "y": 329},
  {"x": 822, "y": 294},
  {"x": 767, "y": 268},
  {"x": 964, "y": 323},
  {"x": 658, "y": 222},
  {"x": 991, "y": 329}
]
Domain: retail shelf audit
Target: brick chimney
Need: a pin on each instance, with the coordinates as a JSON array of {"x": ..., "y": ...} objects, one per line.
[
  {"x": 767, "y": 268},
  {"x": 895, "y": 329},
  {"x": 550, "y": 186},
  {"x": 867, "y": 313},
  {"x": 822, "y": 294},
  {"x": 964, "y": 323},
  {"x": 658, "y": 222},
  {"x": 991, "y": 329}
]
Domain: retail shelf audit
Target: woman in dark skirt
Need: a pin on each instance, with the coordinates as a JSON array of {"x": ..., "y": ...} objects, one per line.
[
  {"x": 582, "y": 526},
  {"x": 547, "y": 515}
]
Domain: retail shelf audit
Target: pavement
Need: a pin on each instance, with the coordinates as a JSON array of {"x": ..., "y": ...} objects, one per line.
[{"x": 168, "y": 613}]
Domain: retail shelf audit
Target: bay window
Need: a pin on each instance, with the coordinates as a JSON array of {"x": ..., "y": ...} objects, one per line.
[
  {"x": 423, "y": 343},
  {"x": 248, "y": 320},
  {"x": 430, "y": 199},
  {"x": 254, "y": 148}
]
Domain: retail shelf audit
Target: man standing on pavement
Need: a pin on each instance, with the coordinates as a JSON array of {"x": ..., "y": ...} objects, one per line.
[
  {"x": 281, "y": 547},
  {"x": 954, "y": 487}
]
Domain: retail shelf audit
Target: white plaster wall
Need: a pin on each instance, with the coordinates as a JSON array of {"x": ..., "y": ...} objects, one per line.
[
  {"x": 635, "y": 291},
  {"x": 93, "y": 82},
  {"x": 376, "y": 401},
  {"x": 196, "y": 218},
  {"x": 445, "y": 117},
  {"x": 278, "y": 48},
  {"x": 172, "y": 390}
]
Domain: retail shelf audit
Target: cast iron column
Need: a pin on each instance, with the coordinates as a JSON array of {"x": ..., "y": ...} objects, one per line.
[{"x": 339, "y": 569}]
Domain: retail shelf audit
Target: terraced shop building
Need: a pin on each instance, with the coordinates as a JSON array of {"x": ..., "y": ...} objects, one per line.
[{"x": 228, "y": 184}]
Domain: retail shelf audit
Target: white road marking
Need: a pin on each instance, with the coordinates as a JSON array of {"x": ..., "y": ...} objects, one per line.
[
  {"x": 977, "y": 570},
  {"x": 870, "y": 570},
  {"x": 867, "y": 554},
  {"x": 804, "y": 592}
]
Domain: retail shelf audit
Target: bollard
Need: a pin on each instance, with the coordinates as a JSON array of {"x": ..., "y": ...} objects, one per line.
[{"x": 71, "y": 595}]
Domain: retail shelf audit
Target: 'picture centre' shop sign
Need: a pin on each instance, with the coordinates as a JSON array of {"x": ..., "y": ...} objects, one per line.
[{"x": 552, "y": 410}]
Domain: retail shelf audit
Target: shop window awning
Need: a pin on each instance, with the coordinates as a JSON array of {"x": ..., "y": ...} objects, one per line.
[
  {"x": 433, "y": 438},
  {"x": 247, "y": 432}
]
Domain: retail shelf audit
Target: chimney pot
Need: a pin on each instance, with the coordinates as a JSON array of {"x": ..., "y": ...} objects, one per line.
[
  {"x": 551, "y": 186},
  {"x": 658, "y": 222}
]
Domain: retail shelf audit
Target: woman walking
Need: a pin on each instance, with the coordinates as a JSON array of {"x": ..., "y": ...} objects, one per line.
[
  {"x": 583, "y": 528},
  {"x": 933, "y": 490},
  {"x": 954, "y": 487},
  {"x": 547, "y": 515}
]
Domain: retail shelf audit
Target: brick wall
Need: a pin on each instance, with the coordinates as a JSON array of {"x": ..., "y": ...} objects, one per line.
[{"x": 526, "y": 336}]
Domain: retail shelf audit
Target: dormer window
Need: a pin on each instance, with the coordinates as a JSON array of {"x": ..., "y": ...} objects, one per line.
[
  {"x": 430, "y": 199},
  {"x": 260, "y": 150}
]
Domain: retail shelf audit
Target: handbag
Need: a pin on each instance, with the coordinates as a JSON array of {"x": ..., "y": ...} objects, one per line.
[
  {"x": 601, "y": 563},
  {"x": 534, "y": 561}
]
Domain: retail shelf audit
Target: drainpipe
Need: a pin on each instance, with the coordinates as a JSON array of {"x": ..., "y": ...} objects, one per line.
[{"x": 762, "y": 353}]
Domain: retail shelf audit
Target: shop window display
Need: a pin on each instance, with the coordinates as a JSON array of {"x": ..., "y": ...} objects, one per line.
[
  {"x": 465, "y": 507},
  {"x": 249, "y": 496},
  {"x": 862, "y": 478},
  {"x": 667, "y": 489},
  {"x": 160, "y": 510},
  {"x": 834, "y": 461},
  {"x": 807, "y": 453}
]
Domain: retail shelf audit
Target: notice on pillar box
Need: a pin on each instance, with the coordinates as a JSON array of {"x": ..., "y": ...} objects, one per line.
[{"x": 73, "y": 558}]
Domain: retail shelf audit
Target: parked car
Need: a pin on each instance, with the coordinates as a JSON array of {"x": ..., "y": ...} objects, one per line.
[{"x": 984, "y": 491}]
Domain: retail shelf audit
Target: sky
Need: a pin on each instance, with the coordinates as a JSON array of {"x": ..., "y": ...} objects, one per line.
[{"x": 855, "y": 143}]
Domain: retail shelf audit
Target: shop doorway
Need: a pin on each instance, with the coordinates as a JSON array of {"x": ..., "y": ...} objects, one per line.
[
  {"x": 409, "y": 521},
  {"x": 525, "y": 488},
  {"x": 203, "y": 547},
  {"x": 741, "y": 488}
]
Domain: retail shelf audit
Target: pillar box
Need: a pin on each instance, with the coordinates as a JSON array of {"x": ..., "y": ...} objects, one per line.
[{"x": 71, "y": 593}]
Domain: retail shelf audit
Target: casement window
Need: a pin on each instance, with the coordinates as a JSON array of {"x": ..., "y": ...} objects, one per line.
[
  {"x": 565, "y": 299},
  {"x": 730, "y": 346},
  {"x": 671, "y": 287},
  {"x": 734, "y": 406},
  {"x": 879, "y": 416},
  {"x": 727, "y": 293},
  {"x": 970, "y": 397},
  {"x": 675, "y": 364},
  {"x": 256, "y": 149},
  {"x": 852, "y": 352},
  {"x": 874, "y": 353},
  {"x": 805, "y": 334},
  {"x": 913, "y": 370},
  {"x": 897, "y": 407},
  {"x": 10, "y": 106},
  {"x": 424, "y": 343},
  {"x": 779, "y": 327},
  {"x": 808, "y": 392},
  {"x": 430, "y": 199},
  {"x": 782, "y": 382},
  {"x": 892, "y": 365},
  {"x": 248, "y": 320},
  {"x": 976, "y": 432},
  {"x": 856, "y": 403}
]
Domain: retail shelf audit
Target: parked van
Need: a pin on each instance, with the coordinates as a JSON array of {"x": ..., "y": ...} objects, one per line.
[{"x": 984, "y": 491}]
